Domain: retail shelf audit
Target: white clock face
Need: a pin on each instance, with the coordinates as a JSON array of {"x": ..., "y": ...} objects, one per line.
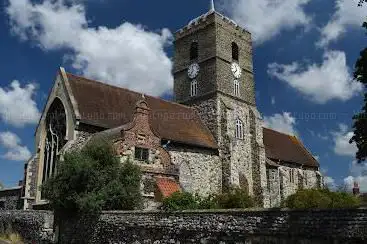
[
  {"x": 193, "y": 70},
  {"x": 236, "y": 70}
]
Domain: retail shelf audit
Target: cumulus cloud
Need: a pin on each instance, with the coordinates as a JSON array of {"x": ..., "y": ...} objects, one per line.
[
  {"x": 12, "y": 143},
  {"x": 347, "y": 14},
  {"x": 128, "y": 55},
  {"x": 330, "y": 182},
  {"x": 319, "y": 82},
  {"x": 281, "y": 122},
  {"x": 17, "y": 106},
  {"x": 341, "y": 141},
  {"x": 267, "y": 18}
]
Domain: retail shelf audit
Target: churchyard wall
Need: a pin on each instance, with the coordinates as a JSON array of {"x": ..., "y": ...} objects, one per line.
[
  {"x": 33, "y": 226},
  {"x": 250, "y": 227},
  {"x": 10, "y": 199}
]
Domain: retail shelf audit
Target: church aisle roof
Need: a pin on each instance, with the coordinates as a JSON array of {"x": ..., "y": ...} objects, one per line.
[
  {"x": 287, "y": 148},
  {"x": 109, "y": 107}
]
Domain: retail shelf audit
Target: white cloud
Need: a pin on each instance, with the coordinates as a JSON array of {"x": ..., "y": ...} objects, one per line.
[
  {"x": 17, "y": 106},
  {"x": 281, "y": 122},
  {"x": 358, "y": 174},
  {"x": 272, "y": 100},
  {"x": 341, "y": 141},
  {"x": 320, "y": 83},
  {"x": 318, "y": 135},
  {"x": 15, "y": 151},
  {"x": 322, "y": 137},
  {"x": 267, "y": 18},
  {"x": 127, "y": 56},
  {"x": 330, "y": 182},
  {"x": 347, "y": 14}
]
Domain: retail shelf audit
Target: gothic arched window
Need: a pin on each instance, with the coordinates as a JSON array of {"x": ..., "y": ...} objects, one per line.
[
  {"x": 236, "y": 87},
  {"x": 194, "y": 50},
  {"x": 194, "y": 88},
  {"x": 239, "y": 129},
  {"x": 235, "y": 52},
  {"x": 55, "y": 126}
]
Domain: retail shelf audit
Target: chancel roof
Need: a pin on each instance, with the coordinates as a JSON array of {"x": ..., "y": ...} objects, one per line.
[{"x": 286, "y": 148}]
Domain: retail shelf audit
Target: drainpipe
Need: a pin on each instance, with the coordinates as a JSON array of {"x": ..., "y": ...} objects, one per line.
[{"x": 279, "y": 182}]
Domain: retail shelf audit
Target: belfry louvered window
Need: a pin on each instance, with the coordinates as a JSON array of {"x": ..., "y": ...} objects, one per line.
[
  {"x": 239, "y": 129},
  {"x": 194, "y": 50},
  {"x": 235, "y": 52},
  {"x": 194, "y": 88}
]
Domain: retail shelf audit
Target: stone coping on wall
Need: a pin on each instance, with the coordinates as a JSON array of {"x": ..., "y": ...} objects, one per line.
[{"x": 230, "y": 211}]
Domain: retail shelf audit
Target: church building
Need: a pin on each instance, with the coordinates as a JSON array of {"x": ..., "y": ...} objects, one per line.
[{"x": 209, "y": 139}]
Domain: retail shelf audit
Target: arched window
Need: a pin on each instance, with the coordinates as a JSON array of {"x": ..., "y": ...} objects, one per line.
[
  {"x": 194, "y": 88},
  {"x": 194, "y": 50},
  {"x": 55, "y": 137},
  {"x": 236, "y": 88},
  {"x": 239, "y": 129},
  {"x": 235, "y": 52}
]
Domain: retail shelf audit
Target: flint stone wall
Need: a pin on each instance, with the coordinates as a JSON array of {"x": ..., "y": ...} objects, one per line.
[
  {"x": 33, "y": 226},
  {"x": 250, "y": 227},
  {"x": 10, "y": 199},
  {"x": 200, "y": 170}
]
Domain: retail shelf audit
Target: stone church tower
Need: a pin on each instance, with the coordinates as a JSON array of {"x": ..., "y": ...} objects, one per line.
[{"x": 213, "y": 72}]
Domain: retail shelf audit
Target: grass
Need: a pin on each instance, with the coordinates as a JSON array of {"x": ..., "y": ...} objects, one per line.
[{"x": 12, "y": 238}]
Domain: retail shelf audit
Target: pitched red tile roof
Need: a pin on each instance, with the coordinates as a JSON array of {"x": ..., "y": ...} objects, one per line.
[
  {"x": 167, "y": 186},
  {"x": 109, "y": 107},
  {"x": 287, "y": 148}
]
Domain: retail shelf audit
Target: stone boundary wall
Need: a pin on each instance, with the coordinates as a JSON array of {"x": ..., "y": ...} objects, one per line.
[
  {"x": 249, "y": 227},
  {"x": 33, "y": 226}
]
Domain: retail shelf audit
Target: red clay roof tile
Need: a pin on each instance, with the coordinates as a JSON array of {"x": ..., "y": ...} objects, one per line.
[{"x": 167, "y": 186}]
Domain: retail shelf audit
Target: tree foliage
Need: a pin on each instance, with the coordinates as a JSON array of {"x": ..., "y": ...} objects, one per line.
[
  {"x": 92, "y": 180},
  {"x": 360, "y": 119},
  {"x": 1, "y": 185},
  {"x": 322, "y": 199},
  {"x": 235, "y": 198}
]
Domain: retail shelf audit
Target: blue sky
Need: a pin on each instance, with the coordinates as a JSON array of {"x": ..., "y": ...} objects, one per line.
[{"x": 304, "y": 54}]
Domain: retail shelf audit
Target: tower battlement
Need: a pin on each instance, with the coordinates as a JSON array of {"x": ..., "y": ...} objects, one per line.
[{"x": 209, "y": 18}]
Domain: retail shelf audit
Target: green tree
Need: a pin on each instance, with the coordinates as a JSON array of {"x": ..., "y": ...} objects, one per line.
[
  {"x": 1, "y": 185},
  {"x": 321, "y": 198},
  {"x": 234, "y": 198},
  {"x": 360, "y": 119},
  {"x": 93, "y": 179}
]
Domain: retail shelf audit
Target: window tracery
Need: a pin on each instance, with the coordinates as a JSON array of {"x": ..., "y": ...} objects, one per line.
[{"x": 55, "y": 140}]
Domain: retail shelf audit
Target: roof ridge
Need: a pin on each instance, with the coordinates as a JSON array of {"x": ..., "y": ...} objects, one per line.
[
  {"x": 123, "y": 88},
  {"x": 279, "y": 132},
  {"x": 304, "y": 148}
]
